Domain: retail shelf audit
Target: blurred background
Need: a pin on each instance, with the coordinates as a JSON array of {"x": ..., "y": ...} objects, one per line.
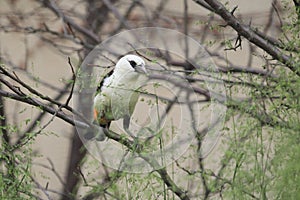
[{"x": 40, "y": 38}]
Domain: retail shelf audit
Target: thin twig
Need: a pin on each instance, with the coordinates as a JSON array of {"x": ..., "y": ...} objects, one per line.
[{"x": 73, "y": 82}]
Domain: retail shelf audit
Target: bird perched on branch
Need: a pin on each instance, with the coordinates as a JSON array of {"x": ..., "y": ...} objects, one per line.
[{"x": 117, "y": 94}]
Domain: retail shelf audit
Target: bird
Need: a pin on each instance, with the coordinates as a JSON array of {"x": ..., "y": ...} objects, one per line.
[{"x": 117, "y": 94}]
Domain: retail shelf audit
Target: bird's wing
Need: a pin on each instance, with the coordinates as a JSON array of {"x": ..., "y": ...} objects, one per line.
[
  {"x": 102, "y": 109},
  {"x": 102, "y": 102},
  {"x": 104, "y": 80}
]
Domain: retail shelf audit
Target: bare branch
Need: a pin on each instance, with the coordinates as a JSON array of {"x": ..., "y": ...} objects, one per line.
[
  {"x": 52, "y": 6},
  {"x": 73, "y": 82},
  {"x": 247, "y": 32}
]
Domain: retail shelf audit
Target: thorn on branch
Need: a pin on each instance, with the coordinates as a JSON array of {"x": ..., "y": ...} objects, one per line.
[
  {"x": 237, "y": 44},
  {"x": 233, "y": 10},
  {"x": 232, "y": 13}
]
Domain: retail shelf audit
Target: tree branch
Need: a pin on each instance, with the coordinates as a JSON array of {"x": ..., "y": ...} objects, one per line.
[
  {"x": 55, "y": 9},
  {"x": 247, "y": 32}
]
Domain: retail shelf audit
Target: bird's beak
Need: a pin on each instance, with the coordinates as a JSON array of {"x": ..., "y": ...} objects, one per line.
[{"x": 141, "y": 69}]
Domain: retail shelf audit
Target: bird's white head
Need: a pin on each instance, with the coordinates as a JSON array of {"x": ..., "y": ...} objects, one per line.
[{"x": 131, "y": 63}]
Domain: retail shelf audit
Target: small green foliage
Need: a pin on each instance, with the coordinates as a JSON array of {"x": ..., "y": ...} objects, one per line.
[{"x": 15, "y": 176}]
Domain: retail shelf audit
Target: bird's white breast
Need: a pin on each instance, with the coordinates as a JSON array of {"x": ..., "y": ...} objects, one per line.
[{"x": 119, "y": 95}]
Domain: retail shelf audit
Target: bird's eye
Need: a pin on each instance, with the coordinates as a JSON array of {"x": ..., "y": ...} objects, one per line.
[{"x": 132, "y": 63}]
